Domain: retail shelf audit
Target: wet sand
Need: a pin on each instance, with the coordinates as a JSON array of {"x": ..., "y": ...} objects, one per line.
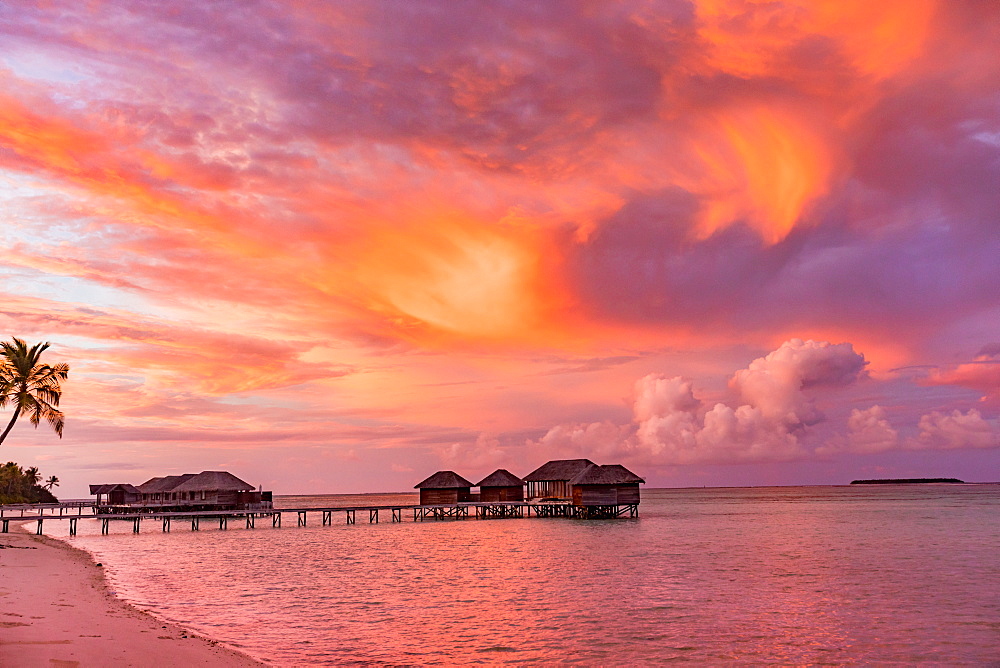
[{"x": 56, "y": 610}]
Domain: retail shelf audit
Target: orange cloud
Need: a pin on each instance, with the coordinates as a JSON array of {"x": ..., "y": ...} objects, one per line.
[
  {"x": 752, "y": 38},
  {"x": 121, "y": 179},
  {"x": 170, "y": 355},
  {"x": 762, "y": 166},
  {"x": 443, "y": 274},
  {"x": 982, "y": 375}
]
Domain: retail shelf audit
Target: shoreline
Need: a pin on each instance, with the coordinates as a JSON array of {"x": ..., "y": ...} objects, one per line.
[{"x": 57, "y": 609}]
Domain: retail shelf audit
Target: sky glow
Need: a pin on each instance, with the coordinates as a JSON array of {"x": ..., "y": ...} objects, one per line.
[{"x": 334, "y": 247}]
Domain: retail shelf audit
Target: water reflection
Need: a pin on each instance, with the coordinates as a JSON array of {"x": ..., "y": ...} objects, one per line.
[{"x": 779, "y": 575}]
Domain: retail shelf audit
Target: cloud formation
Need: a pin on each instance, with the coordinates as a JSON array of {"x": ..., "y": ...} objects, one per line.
[
  {"x": 982, "y": 374},
  {"x": 957, "y": 430},
  {"x": 354, "y": 210},
  {"x": 773, "y": 405}
]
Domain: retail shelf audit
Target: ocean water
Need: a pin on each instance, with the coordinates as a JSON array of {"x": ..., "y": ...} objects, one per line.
[{"x": 784, "y": 575}]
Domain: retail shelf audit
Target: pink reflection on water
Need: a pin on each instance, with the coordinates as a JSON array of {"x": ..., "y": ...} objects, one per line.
[{"x": 787, "y": 576}]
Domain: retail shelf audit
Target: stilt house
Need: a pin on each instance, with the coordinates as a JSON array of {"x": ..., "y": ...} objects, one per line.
[
  {"x": 610, "y": 485},
  {"x": 501, "y": 485},
  {"x": 161, "y": 491},
  {"x": 444, "y": 487},
  {"x": 116, "y": 494},
  {"x": 208, "y": 490},
  {"x": 551, "y": 480},
  {"x": 216, "y": 488}
]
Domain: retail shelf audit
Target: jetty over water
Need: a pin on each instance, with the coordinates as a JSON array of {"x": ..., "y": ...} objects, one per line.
[
  {"x": 74, "y": 511},
  {"x": 573, "y": 488}
]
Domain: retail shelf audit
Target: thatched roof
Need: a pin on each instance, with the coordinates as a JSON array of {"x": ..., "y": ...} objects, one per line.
[
  {"x": 444, "y": 480},
  {"x": 610, "y": 474},
  {"x": 213, "y": 481},
  {"x": 165, "y": 484},
  {"x": 558, "y": 469},
  {"x": 500, "y": 478},
  {"x": 108, "y": 488}
]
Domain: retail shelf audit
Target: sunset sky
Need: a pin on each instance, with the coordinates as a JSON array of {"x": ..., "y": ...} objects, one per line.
[{"x": 337, "y": 246}]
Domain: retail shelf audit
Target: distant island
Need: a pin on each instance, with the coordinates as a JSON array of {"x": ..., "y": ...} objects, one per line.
[{"x": 905, "y": 481}]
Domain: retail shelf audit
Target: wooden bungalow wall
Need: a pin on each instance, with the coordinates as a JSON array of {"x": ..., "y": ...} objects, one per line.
[
  {"x": 499, "y": 494},
  {"x": 434, "y": 497},
  {"x": 606, "y": 495},
  {"x": 628, "y": 493},
  {"x": 595, "y": 495}
]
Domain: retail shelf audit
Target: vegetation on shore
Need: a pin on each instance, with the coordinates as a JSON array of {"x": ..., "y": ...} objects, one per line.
[
  {"x": 905, "y": 481},
  {"x": 32, "y": 388},
  {"x": 19, "y": 485}
]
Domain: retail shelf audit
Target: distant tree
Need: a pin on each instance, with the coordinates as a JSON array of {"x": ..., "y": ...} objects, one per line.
[
  {"x": 19, "y": 485},
  {"x": 29, "y": 385},
  {"x": 51, "y": 482},
  {"x": 10, "y": 478}
]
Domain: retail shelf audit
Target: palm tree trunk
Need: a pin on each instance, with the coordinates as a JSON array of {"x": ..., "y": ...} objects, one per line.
[{"x": 13, "y": 419}]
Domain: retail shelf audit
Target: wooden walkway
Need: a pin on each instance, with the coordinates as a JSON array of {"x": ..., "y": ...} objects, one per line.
[{"x": 55, "y": 512}]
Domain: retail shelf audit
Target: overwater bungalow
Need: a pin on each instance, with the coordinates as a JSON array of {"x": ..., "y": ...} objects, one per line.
[
  {"x": 444, "y": 487},
  {"x": 208, "y": 490},
  {"x": 609, "y": 485},
  {"x": 160, "y": 490},
  {"x": 552, "y": 479},
  {"x": 116, "y": 493},
  {"x": 217, "y": 488},
  {"x": 501, "y": 485}
]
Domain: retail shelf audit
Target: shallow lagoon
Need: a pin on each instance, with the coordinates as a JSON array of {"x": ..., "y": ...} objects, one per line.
[{"x": 793, "y": 575}]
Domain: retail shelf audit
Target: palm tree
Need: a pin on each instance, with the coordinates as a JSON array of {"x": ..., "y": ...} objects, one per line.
[
  {"x": 51, "y": 482},
  {"x": 32, "y": 387},
  {"x": 32, "y": 476}
]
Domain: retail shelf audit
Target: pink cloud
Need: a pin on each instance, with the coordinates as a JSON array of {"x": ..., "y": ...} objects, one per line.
[
  {"x": 774, "y": 384},
  {"x": 957, "y": 430},
  {"x": 868, "y": 432},
  {"x": 672, "y": 426},
  {"x": 981, "y": 375}
]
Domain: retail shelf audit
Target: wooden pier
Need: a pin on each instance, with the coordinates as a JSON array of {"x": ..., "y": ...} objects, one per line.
[{"x": 73, "y": 512}]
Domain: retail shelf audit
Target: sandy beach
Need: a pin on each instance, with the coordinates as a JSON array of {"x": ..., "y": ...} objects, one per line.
[{"x": 56, "y": 610}]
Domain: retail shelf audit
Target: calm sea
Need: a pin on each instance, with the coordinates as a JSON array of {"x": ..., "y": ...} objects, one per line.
[{"x": 783, "y": 575}]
